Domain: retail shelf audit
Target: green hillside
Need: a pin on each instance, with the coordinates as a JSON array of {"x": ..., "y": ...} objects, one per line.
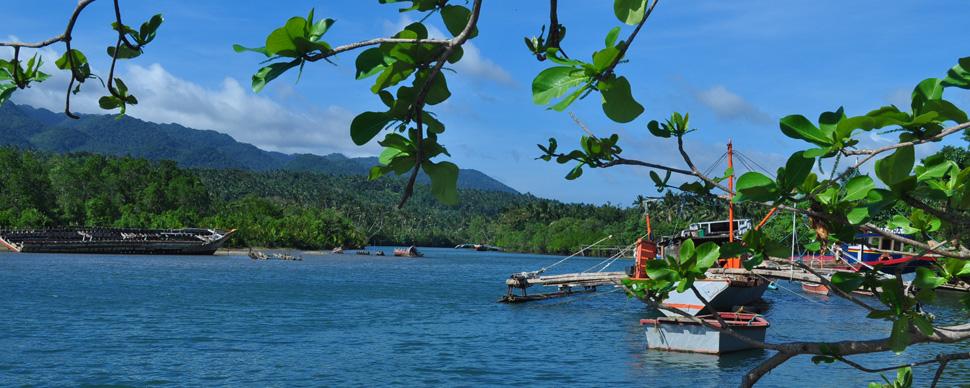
[{"x": 26, "y": 127}]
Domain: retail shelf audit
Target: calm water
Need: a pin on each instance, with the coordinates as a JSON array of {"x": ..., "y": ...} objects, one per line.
[{"x": 353, "y": 320}]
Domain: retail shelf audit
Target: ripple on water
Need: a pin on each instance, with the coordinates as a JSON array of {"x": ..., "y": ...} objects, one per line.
[{"x": 357, "y": 320}]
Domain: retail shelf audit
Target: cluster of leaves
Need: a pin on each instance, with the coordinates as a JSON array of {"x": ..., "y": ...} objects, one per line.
[
  {"x": 76, "y": 62},
  {"x": 854, "y": 202},
  {"x": 675, "y": 273},
  {"x": 574, "y": 79},
  {"x": 293, "y": 43},
  {"x": 14, "y": 76},
  {"x": 413, "y": 143},
  {"x": 926, "y": 195}
]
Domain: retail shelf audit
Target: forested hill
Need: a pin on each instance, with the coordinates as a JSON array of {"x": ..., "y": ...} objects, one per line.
[{"x": 40, "y": 129}]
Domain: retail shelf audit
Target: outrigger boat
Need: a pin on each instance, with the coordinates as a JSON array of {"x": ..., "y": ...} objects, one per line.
[
  {"x": 872, "y": 250},
  {"x": 723, "y": 292}
]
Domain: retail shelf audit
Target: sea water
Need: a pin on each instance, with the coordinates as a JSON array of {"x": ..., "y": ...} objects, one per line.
[{"x": 337, "y": 320}]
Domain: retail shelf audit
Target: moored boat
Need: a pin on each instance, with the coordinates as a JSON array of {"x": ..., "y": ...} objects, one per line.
[
  {"x": 410, "y": 251},
  {"x": 685, "y": 334},
  {"x": 189, "y": 241},
  {"x": 815, "y": 288},
  {"x": 872, "y": 250},
  {"x": 724, "y": 293}
]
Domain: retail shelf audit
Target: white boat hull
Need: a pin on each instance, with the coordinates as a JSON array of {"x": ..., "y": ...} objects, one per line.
[
  {"x": 722, "y": 293},
  {"x": 682, "y": 335}
]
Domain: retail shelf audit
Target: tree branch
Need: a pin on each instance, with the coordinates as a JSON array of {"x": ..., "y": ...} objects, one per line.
[
  {"x": 946, "y": 132},
  {"x": 762, "y": 369},
  {"x": 373, "y": 42},
  {"x": 629, "y": 40},
  {"x": 66, "y": 36},
  {"x": 418, "y": 108}
]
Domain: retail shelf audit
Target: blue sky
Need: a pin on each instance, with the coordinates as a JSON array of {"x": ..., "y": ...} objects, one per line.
[{"x": 737, "y": 67}]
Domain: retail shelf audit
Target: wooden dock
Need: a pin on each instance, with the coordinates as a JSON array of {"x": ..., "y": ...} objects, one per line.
[{"x": 573, "y": 283}]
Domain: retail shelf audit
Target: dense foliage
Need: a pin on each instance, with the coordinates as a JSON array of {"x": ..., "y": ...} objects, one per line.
[{"x": 314, "y": 211}]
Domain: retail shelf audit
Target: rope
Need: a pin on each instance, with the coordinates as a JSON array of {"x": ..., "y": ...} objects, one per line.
[
  {"x": 716, "y": 163},
  {"x": 745, "y": 157},
  {"x": 543, "y": 269},
  {"x": 793, "y": 292},
  {"x": 613, "y": 258}
]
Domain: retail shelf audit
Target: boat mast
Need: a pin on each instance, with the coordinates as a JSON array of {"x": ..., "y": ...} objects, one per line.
[{"x": 733, "y": 262}]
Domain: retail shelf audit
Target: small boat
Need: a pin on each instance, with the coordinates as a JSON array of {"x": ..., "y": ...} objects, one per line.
[
  {"x": 285, "y": 256},
  {"x": 686, "y": 335},
  {"x": 815, "y": 288},
  {"x": 363, "y": 253},
  {"x": 257, "y": 255},
  {"x": 723, "y": 292},
  {"x": 410, "y": 251},
  {"x": 479, "y": 247},
  {"x": 379, "y": 253},
  {"x": 337, "y": 251},
  {"x": 872, "y": 250}
]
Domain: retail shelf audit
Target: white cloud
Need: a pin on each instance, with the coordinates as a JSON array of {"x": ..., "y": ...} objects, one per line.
[
  {"x": 229, "y": 108},
  {"x": 730, "y": 106},
  {"x": 472, "y": 62}
]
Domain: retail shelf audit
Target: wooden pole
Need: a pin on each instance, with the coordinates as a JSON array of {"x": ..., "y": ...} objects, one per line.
[{"x": 733, "y": 262}]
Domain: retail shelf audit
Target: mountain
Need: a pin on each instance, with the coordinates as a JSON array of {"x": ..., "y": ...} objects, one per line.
[{"x": 36, "y": 128}]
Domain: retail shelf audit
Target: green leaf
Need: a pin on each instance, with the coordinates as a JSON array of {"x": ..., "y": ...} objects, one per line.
[
  {"x": 657, "y": 130},
  {"x": 110, "y": 102},
  {"x": 602, "y": 59},
  {"x": 576, "y": 172},
  {"x": 319, "y": 28},
  {"x": 281, "y": 40},
  {"x": 927, "y": 279},
  {"x": 124, "y": 53},
  {"x": 899, "y": 339},
  {"x": 456, "y": 18},
  {"x": 437, "y": 89},
  {"x": 148, "y": 29},
  {"x": 798, "y": 127},
  {"x": 754, "y": 186},
  {"x": 858, "y": 188},
  {"x": 555, "y": 82},
  {"x": 392, "y": 75},
  {"x": 927, "y": 90},
  {"x": 241, "y": 49},
  {"x": 895, "y": 168},
  {"x": 388, "y": 155},
  {"x": 444, "y": 181},
  {"x": 618, "y": 102},
  {"x": 612, "y": 36},
  {"x": 370, "y": 62},
  {"x": 269, "y": 73},
  {"x": 847, "y": 281},
  {"x": 707, "y": 254},
  {"x": 796, "y": 170},
  {"x": 367, "y": 125},
  {"x": 959, "y": 75},
  {"x": 630, "y": 11},
  {"x": 82, "y": 69},
  {"x": 857, "y": 215},
  {"x": 686, "y": 250},
  {"x": 937, "y": 170}
]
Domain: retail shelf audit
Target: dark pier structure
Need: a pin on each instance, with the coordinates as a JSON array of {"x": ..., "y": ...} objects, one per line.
[{"x": 191, "y": 241}]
